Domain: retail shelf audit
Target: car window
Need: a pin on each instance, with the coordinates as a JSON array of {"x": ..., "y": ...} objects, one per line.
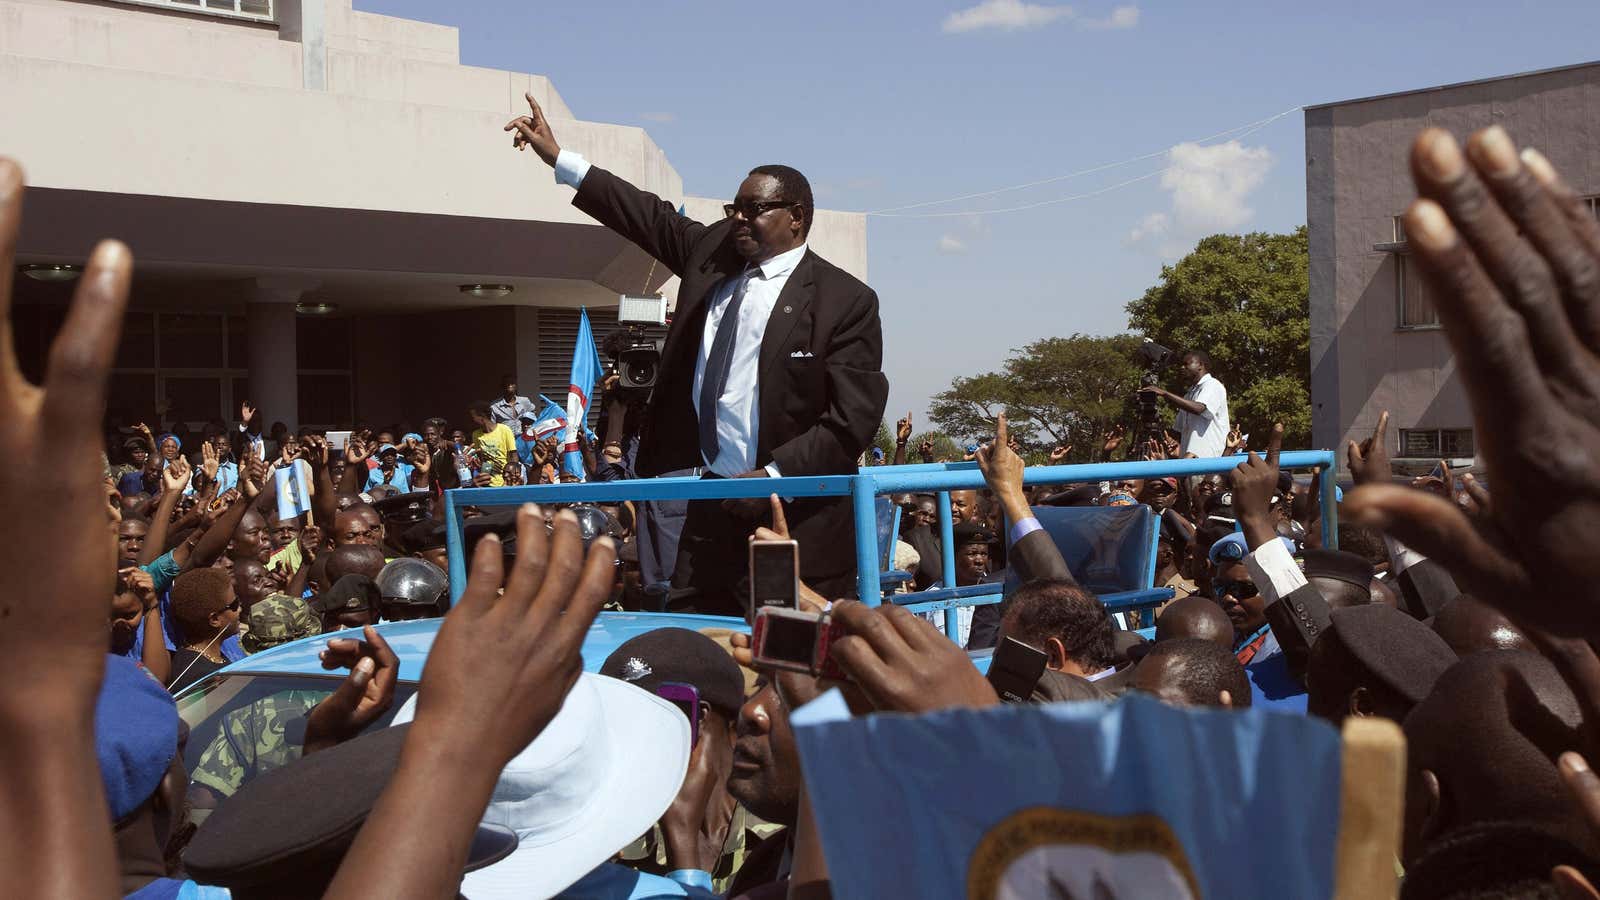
[{"x": 244, "y": 725}]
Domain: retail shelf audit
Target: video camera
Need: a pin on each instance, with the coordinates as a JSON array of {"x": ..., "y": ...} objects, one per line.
[
  {"x": 1155, "y": 358},
  {"x": 635, "y": 356}
]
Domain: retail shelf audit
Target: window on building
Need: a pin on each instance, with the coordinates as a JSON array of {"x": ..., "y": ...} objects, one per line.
[
  {"x": 178, "y": 367},
  {"x": 1414, "y": 306},
  {"x": 1399, "y": 225},
  {"x": 1593, "y": 202},
  {"x": 558, "y": 330},
  {"x": 1436, "y": 443}
]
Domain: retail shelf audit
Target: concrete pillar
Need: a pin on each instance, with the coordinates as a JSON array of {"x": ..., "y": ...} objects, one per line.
[
  {"x": 270, "y": 334},
  {"x": 306, "y": 21},
  {"x": 526, "y": 364}
]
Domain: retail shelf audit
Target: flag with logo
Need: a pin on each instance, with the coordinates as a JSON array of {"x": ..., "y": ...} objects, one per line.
[
  {"x": 552, "y": 420},
  {"x": 586, "y": 371},
  {"x": 1129, "y": 800}
]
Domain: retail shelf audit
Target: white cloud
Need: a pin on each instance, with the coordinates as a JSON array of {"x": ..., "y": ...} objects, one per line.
[
  {"x": 1210, "y": 187},
  {"x": 949, "y": 243},
  {"x": 1007, "y": 15},
  {"x": 661, "y": 117},
  {"x": 1121, "y": 17}
]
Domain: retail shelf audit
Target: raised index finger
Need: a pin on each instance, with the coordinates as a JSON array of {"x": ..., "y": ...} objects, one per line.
[
  {"x": 1274, "y": 443},
  {"x": 1380, "y": 432},
  {"x": 533, "y": 105},
  {"x": 1002, "y": 432}
]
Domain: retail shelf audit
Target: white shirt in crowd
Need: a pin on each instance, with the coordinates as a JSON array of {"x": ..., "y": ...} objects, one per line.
[
  {"x": 1205, "y": 434},
  {"x": 738, "y": 409}
]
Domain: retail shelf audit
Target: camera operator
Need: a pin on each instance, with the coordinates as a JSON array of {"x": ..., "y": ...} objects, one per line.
[
  {"x": 660, "y": 522},
  {"x": 1202, "y": 412}
]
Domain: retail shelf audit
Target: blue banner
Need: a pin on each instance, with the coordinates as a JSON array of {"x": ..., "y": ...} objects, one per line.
[{"x": 1131, "y": 800}]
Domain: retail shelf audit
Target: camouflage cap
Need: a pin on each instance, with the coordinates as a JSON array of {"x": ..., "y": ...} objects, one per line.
[{"x": 278, "y": 619}]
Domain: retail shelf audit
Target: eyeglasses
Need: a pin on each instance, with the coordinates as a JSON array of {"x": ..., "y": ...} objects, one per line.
[
  {"x": 234, "y": 606},
  {"x": 753, "y": 209},
  {"x": 1240, "y": 590}
]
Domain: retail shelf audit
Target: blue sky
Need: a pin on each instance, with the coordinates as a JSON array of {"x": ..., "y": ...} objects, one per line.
[{"x": 889, "y": 103}]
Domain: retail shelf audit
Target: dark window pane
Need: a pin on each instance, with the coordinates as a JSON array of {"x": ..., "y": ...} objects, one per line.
[
  {"x": 133, "y": 399},
  {"x": 241, "y": 393},
  {"x": 194, "y": 400},
  {"x": 138, "y": 347},
  {"x": 322, "y": 343},
  {"x": 191, "y": 342},
  {"x": 1456, "y": 442},
  {"x": 324, "y": 400},
  {"x": 238, "y": 353}
]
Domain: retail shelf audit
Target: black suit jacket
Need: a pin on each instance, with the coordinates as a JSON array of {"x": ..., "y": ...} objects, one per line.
[{"x": 821, "y": 383}]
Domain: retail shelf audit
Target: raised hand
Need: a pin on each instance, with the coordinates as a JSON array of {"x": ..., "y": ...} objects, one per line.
[
  {"x": 364, "y": 695},
  {"x": 1511, "y": 256},
  {"x": 54, "y": 637},
  {"x": 208, "y": 460},
  {"x": 1255, "y": 483},
  {"x": 1059, "y": 454},
  {"x": 533, "y": 130},
  {"x": 1235, "y": 438},
  {"x": 175, "y": 477},
  {"x": 358, "y": 451},
  {"x": 999, "y": 462},
  {"x": 926, "y": 449},
  {"x": 314, "y": 450},
  {"x": 310, "y": 541},
  {"x": 501, "y": 665},
  {"x": 141, "y": 584},
  {"x": 246, "y": 412},
  {"x": 1369, "y": 460},
  {"x": 902, "y": 664},
  {"x": 1114, "y": 439},
  {"x": 902, "y": 430}
]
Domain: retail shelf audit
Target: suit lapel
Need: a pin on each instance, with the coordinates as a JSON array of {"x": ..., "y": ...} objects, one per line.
[{"x": 797, "y": 294}]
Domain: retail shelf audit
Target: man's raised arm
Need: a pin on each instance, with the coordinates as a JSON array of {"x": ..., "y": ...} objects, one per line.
[{"x": 639, "y": 216}]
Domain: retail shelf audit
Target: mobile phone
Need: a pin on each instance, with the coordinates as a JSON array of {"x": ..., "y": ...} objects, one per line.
[
  {"x": 685, "y": 697},
  {"x": 337, "y": 440},
  {"x": 1015, "y": 670},
  {"x": 796, "y": 641},
  {"x": 774, "y": 575}
]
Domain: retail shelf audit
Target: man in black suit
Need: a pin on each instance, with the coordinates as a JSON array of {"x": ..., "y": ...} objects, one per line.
[{"x": 773, "y": 365}]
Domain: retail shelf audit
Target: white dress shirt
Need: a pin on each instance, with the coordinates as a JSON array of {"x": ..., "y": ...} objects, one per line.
[
  {"x": 1205, "y": 434},
  {"x": 738, "y": 409}
]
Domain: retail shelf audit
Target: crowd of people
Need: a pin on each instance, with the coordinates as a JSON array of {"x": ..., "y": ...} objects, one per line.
[{"x": 1458, "y": 614}]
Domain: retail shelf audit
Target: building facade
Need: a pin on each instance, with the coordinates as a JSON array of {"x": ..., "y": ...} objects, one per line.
[
  {"x": 1375, "y": 339},
  {"x": 326, "y": 217}
]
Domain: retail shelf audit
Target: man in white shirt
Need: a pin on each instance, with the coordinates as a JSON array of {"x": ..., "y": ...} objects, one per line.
[
  {"x": 511, "y": 406},
  {"x": 1202, "y": 412}
]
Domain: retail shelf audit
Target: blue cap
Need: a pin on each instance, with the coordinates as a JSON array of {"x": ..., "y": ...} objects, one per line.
[
  {"x": 1233, "y": 548},
  {"x": 877, "y": 453},
  {"x": 135, "y": 734},
  {"x": 411, "y": 436}
]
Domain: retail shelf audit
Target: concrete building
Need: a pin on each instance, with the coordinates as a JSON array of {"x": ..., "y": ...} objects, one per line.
[
  {"x": 1375, "y": 338},
  {"x": 312, "y": 193}
]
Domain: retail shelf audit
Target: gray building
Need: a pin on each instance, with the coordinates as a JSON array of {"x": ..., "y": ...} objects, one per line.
[{"x": 1375, "y": 338}]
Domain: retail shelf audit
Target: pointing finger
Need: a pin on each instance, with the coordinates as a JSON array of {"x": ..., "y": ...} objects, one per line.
[{"x": 1274, "y": 443}]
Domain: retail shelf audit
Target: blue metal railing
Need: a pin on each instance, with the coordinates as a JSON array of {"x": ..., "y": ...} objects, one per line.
[{"x": 863, "y": 489}]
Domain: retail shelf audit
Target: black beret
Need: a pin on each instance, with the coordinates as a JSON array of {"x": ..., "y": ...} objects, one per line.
[
  {"x": 1398, "y": 650},
  {"x": 971, "y": 533},
  {"x": 354, "y": 592},
  {"x": 1338, "y": 566},
  {"x": 412, "y": 507},
  {"x": 425, "y": 535},
  {"x": 678, "y": 654},
  {"x": 290, "y": 828}
]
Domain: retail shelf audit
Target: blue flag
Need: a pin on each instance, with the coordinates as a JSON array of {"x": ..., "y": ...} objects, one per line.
[
  {"x": 585, "y": 375},
  {"x": 1133, "y": 799},
  {"x": 552, "y": 420}
]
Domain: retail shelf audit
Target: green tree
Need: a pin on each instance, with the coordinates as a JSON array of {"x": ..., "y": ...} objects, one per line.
[
  {"x": 1245, "y": 300},
  {"x": 1054, "y": 391}
]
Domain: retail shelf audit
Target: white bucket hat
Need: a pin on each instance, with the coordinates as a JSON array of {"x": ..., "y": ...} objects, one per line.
[{"x": 598, "y": 776}]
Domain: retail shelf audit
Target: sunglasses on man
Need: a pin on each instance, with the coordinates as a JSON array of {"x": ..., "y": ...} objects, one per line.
[
  {"x": 1239, "y": 590},
  {"x": 750, "y": 210}
]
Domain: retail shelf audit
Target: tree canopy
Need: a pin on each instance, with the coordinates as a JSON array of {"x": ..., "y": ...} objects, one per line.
[{"x": 1245, "y": 300}]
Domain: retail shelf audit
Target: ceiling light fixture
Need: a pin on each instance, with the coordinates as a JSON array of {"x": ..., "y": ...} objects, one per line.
[
  {"x": 316, "y": 309},
  {"x": 53, "y": 273},
  {"x": 486, "y": 291}
]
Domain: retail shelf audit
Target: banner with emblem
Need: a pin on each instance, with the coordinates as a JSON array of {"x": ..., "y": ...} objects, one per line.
[{"x": 1073, "y": 800}]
